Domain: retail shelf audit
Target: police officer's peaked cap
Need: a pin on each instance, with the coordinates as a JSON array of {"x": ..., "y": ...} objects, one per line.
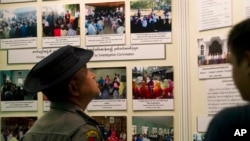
[{"x": 56, "y": 67}]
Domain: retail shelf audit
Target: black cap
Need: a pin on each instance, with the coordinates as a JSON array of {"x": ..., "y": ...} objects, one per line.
[{"x": 56, "y": 67}]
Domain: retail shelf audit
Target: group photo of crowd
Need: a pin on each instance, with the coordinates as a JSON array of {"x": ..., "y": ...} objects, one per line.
[
  {"x": 61, "y": 20},
  {"x": 100, "y": 18},
  {"x": 18, "y": 23},
  {"x": 212, "y": 52},
  {"x": 154, "y": 82},
  {"x": 150, "y": 16},
  {"x": 14, "y": 128},
  {"x": 105, "y": 18}
]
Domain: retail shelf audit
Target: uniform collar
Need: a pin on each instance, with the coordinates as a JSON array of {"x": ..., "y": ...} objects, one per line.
[{"x": 65, "y": 106}]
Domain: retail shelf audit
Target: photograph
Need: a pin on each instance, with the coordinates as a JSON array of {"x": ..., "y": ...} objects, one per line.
[
  {"x": 152, "y": 128},
  {"x": 12, "y": 82},
  {"x": 212, "y": 51},
  {"x": 112, "y": 82},
  {"x": 105, "y": 18},
  {"x": 14, "y": 128},
  {"x": 213, "y": 57},
  {"x": 149, "y": 16},
  {"x": 199, "y": 136},
  {"x": 61, "y": 20},
  {"x": 113, "y": 128},
  {"x": 153, "y": 82},
  {"x": 18, "y": 22}
]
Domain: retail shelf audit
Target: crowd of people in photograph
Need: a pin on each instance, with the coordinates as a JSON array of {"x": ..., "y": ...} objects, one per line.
[
  {"x": 213, "y": 58},
  {"x": 18, "y": 27},
  {"x": 148, "y": 88},
  {"x": 110, "y": 20},
  {"x": 61, "y": 24},
  {"x": 13, "y": 134},
  {"x": 111, "y": 88},
  {"x": 150, "y": 22}
]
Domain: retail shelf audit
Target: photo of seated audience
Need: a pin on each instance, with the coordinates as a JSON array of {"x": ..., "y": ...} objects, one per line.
[
  {"x": 153, "y": 82},
  {"x": 11, "y": 83},
  {"x": 18, "y": 23},
  {"x": 105, "y": 18},
  {"x": 150, "y": 16},
  {"x": 112, "y": 82},
  {"x": 14, "y": 128},
  {"x": 61, "y": 20}
]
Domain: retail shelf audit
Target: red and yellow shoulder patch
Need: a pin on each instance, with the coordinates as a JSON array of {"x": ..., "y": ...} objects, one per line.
[{"x": 93, "y": 135}]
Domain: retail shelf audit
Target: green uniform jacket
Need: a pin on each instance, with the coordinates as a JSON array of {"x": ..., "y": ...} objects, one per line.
[{"x": 64, "y": 122}]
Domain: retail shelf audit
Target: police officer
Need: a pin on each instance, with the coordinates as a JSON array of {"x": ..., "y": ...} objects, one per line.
[{"x": 65, "y": 80}]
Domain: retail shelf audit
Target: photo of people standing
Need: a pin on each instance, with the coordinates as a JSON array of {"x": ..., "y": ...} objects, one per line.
[
  {"x": 105, "y": 18},
  {"x": 150, "y": 16},
  {"x": 213, "y": 51},
  {"x": 112, "y": 82},
  {"x": 61, "y": 20},
  {"x": 18, "y": 22},
  {"x": 153, "y": 82}
]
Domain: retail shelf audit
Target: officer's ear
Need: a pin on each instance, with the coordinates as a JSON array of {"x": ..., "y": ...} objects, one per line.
[{"x": 73, "y": 88}]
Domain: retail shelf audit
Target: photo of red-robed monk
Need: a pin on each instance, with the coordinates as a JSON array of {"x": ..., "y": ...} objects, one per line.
[{"x": 153, "y": 82}]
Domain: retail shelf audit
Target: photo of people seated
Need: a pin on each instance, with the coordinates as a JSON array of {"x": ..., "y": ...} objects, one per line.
[
  {"x": 153, "y": 82},
  {"x": 150, "y": 16},
  {"x": 105, "y": 18},
  {"x": 61, "y": 20},
  {"x": 18, "y": 22}
]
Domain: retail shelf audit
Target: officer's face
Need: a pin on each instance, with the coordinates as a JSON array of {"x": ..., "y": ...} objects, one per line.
[{"x": 87, "y": 86}]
